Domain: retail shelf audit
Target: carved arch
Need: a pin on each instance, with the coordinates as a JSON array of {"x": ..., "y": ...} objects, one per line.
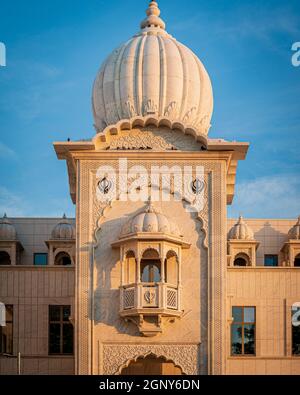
[{"x": 144, "y": 356}]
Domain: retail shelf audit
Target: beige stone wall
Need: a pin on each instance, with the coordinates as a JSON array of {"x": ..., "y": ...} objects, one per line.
[
  {"x": 32, "y": 234},
  {"x": 272, "y": 291},
  {"x": 31, "y": 291},
  {"x": 271, "y": 233},
  {"x": 100, "y": 329}
]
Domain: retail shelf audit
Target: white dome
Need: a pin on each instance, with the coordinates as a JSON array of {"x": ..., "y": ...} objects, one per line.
[
  {"x": 294, "y": 233},
  {"x": 7, "y": 230},
  {"x": 150, "y": 221},
  {"x": 153, "y": 75},
  {"x": 63, "y": 230},
  {"x": 241, "y": 231}
]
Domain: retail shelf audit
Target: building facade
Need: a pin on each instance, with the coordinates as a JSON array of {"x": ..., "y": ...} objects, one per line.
[{"x": 151, "y": 277}]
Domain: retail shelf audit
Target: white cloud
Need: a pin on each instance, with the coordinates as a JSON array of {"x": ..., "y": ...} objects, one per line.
[{"x": 268, "y": 197}]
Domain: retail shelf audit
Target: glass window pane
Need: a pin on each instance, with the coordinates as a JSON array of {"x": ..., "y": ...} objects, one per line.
[
  {"x": 54, "y": 313},
  {"x": 156, "y": 274},
  {"x": 68, "y": 339},
  {"x": 40, "y": 259},
  {"x": 146, "y": 274},
  {"x": 249, "y": 314},
  {"x": 236, "y": 339},
  {"x": 237, "y": 314},
  {"x": 271, "y": 260},
  {"x": 54, "y": 339},
  {"x": 249, "y": 339},
  {"x": 66, "y": 313}
]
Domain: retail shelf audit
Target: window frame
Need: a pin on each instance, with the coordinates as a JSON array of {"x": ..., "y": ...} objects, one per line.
[
  {"x": 40, "y": 253},
  {"x": 12, "y": 330},
  {"x": 61, "y": 323},
  {"x": 243, "y": 324},
  {"x": 292, "y": 343}
]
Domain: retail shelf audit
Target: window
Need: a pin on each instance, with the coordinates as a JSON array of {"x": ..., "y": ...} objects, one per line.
[
  {"x": 6, "y": 332},
  {"x": 296, "y": 330},
  {"x": 60, "y": 330},
  {"x": 271, "y": 260},
  {"x": 4, "y": 258},
  {"x": 297, "y": 261},
  {"x": 241, "y": 259},
  {"x": 40, "y": 259},
  {"x": 151, "y": 273},
  {"x": 243, "y": 331},
  {"x": 63, "y": 259}
]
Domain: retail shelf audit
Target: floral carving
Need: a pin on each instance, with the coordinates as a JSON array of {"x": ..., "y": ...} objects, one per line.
[
  {"x": 144, "y": 141},
  {"x": 149, "y": 107},
  {"x": 171, "y": 110},
  {"x": 117, "y": 356}
]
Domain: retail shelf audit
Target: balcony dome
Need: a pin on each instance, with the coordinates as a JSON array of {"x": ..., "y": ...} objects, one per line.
[
  {"x": 150, "y": 221},
  {"x": 153, "y": 75},
  {"x": 294, "y": 232},
  {"x": 241, "y": 231},
  {"x": 63, "y": 230},
  {"x": 7, "y": 229}
]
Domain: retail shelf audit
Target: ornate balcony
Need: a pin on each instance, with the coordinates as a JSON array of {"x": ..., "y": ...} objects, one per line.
[
  {"x": 149, "y": 304},
  {"x": 150, "y": 255}
]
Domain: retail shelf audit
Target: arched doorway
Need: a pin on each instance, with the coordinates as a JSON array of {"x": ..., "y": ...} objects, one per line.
[{"x": 151, "y": 366}]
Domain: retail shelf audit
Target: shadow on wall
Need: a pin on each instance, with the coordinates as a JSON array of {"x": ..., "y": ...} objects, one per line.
[{"x": 271, "y": 241}]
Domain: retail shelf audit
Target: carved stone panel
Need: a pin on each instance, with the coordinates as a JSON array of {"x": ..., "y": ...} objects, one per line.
[{"x": 117, "y": 356}]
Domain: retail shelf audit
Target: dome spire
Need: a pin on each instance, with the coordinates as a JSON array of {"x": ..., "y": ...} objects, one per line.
[{"x": 153, "y": 19}]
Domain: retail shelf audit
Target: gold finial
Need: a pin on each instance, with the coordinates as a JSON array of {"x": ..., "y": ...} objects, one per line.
[{"x": 153, "y": 20}]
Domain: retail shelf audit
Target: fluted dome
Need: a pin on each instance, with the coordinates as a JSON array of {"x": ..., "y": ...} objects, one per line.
[
  {"x": 150, "y": 221},
  {"x": 153, "y": 75},
  {"x": 241, "y": 231},
  {"x": 7, "y": 229},
  {"x": 294, "y": 232},
  {"x": 63, "y": 230}
]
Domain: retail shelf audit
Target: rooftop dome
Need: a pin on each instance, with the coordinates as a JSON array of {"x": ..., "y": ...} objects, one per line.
[
  {"x": 241, "y": 231},
  {"x": 63, "y": 230},
  {"x": 150, "y": 221},
  {"x": 7, "y": 230},
  {"x": 153, "y": 75},
  {"x": 294, "y": 232}
]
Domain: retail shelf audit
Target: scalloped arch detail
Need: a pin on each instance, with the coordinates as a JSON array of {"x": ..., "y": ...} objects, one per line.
[
  {"x": 140, "y": 122},
  {"x": 144, "y": 356}
]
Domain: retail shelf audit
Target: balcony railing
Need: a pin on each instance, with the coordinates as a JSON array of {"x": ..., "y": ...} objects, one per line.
[{"x": 149, "y": 297}]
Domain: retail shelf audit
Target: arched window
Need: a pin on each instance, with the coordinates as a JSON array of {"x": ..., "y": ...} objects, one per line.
[
  {"x": 4, "y": 258},
  {"x": 297, "y": 261},
  {"x": 129, "y": 268},
  {"x": 171, "y": 268},
  {"x": 62, "y": 259},
  {"x": 150, "y": 267},
  {"x": 241, "y": 260}
]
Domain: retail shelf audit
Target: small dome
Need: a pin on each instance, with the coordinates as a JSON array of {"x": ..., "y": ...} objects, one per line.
[
  {"x": 294, "y": 232},
  {"x": 154, "y": 75},
  {"x": 241, "y": 231},
  {"x": 150, "y": 221},
  {"x": 63, "y": 230},
  {"x": 7, "y": 230}
]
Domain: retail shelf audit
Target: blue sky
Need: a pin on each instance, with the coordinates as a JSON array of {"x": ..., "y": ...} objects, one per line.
[{"x": 55, "y": 47}]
